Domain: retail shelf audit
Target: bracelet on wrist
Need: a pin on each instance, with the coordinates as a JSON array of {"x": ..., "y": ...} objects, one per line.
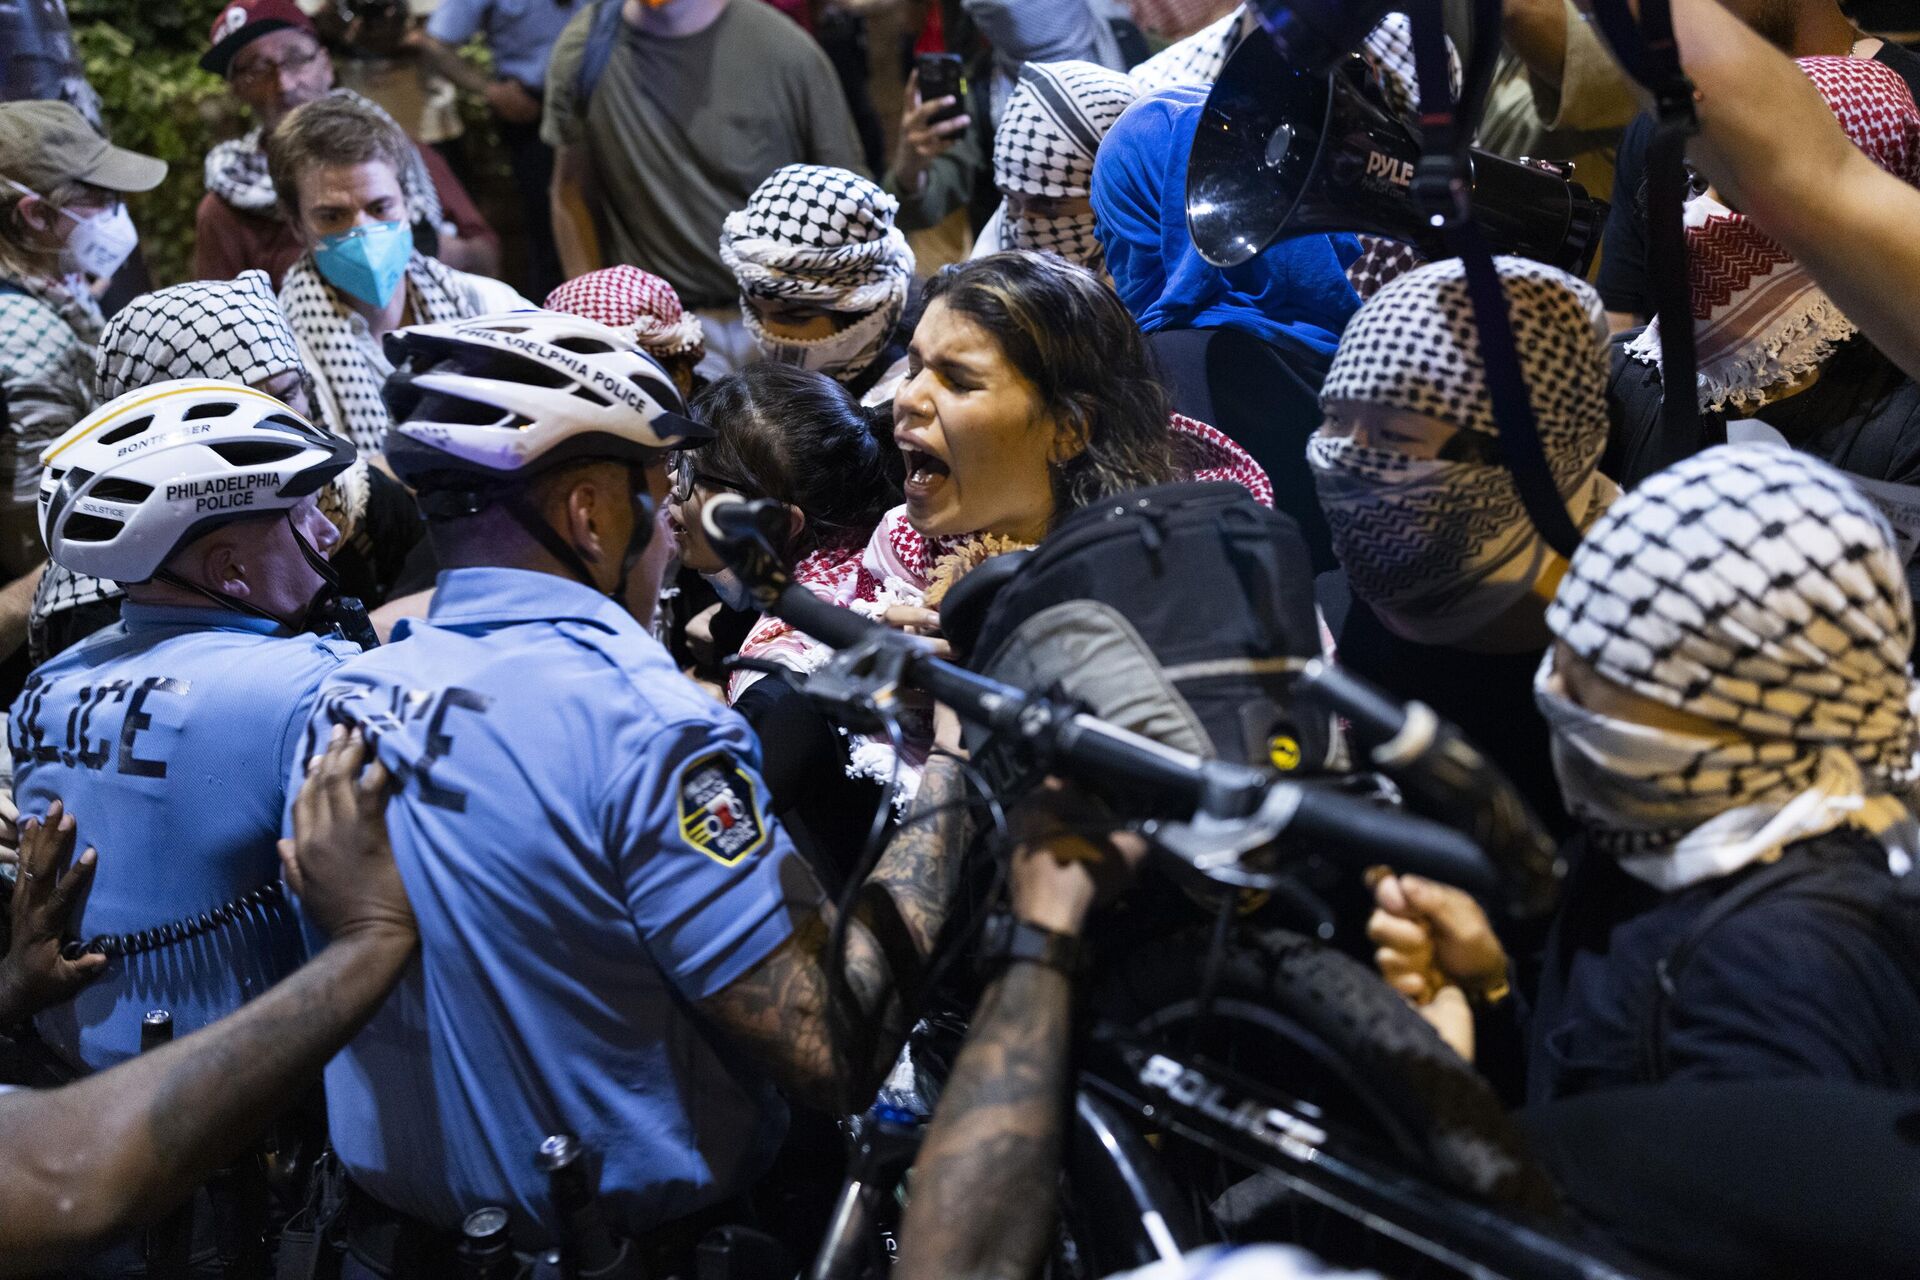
[{"x": 1008, "y": 939}]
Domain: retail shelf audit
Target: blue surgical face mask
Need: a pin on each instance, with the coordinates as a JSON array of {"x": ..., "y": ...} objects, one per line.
[{"x": 368, "y": 262}]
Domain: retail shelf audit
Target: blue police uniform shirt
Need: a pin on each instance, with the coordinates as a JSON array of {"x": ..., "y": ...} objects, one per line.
[
  {"x": 170, "y": 737},
  {"x": 520, "y": 33},
  {"x": 585, "y": 839}
]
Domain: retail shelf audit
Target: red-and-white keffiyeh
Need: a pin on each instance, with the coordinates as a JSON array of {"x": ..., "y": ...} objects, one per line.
[
  {"x": 635, "y": 302},
  {"x": 900, "y": 565},
  {"x": 1759, "y": 321}
]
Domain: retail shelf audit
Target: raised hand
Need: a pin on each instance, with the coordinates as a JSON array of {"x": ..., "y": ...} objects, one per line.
[{"x": 34, "y": 975}]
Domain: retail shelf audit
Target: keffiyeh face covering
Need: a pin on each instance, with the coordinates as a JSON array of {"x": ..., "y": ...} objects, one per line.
[
  {"x": 1045, "y": 147},
  {"x": 636, "y": 303},
  {"x": 1441, "y": 548},
  {"x": 823, "y": 236},
  {"x": 1757, "y": 589},
  {"x": 1759, "y": 321}
]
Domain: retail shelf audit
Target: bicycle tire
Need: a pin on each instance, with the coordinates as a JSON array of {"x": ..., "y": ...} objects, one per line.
[{"x": 1418, "y": 1095}]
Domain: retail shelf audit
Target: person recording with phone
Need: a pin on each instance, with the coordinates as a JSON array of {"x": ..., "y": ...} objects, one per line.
[{"x": 944, "y": 159}]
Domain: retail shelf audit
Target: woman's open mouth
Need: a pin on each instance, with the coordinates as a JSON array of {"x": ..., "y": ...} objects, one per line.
[{"x": 925, "y": 473}]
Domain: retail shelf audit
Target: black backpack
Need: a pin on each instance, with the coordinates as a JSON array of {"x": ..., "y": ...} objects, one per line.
[{"x": 1182, "y": 611}]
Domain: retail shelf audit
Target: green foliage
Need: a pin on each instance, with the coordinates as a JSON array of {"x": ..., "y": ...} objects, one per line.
[
  {"x": 141, "y": 59},
  {"x": 175, "y": 26}
]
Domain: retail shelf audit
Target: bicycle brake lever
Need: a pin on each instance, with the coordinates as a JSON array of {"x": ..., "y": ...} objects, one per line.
[{"x": 1218, "y": 847}]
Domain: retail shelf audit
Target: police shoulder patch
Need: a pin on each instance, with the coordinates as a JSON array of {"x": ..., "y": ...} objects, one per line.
[{"x": 720, "y": 808}]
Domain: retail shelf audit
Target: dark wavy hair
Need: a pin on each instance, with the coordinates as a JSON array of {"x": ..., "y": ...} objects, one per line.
[
  {"x": 1069, "y": 335},
  {"x": 800, "y": 438}
]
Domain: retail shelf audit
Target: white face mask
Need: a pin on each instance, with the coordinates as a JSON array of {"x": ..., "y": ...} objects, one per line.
[
  {"x": 733, "y": 592},
  {"x": 98, "y": 244},
  {"x": 844, "y": 355}
]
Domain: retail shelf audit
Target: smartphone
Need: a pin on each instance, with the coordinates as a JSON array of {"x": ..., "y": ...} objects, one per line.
[{"x": 941, "y": 76}]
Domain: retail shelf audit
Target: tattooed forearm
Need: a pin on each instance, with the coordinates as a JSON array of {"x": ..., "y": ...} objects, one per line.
[
  {"x": 921, "y": 866},
  {"x": 781, "y": 1009},
  {"x": 983, "y": 1186}
]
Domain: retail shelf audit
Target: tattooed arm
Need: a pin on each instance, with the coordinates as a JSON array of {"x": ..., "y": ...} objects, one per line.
[
  {"x": 983, "y": 1186},
  {"x": 983, "y": 1183},
  {"x": 96, "y": 1159},
  {"x": 780, "y": 1009}
]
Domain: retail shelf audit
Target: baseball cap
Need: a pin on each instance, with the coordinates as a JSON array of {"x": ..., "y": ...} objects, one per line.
[
  {"x": 244, "y": 21},
  {"x": 43, "y": 144}
]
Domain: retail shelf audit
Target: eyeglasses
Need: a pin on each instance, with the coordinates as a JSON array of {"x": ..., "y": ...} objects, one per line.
[
  {"x": 263, "y": 71},
  {"x": 686, "y": 477}
]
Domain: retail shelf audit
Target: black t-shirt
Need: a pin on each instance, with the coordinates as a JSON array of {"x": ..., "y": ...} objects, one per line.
[
  {"x": 1862, "y": 416},
  {"x": 1623, "y": 254},
  {"x": 1789, "y": 985},
  {"x": 1487, "y": 696}
]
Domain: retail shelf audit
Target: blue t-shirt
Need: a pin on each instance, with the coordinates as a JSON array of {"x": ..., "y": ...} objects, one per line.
[
  {"x": 587, "y": 844},
  {"x": 170, "y": 737},
  {"x": 520, "y": 33}
]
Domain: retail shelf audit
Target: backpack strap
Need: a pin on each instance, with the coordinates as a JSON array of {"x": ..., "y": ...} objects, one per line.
[
  {"x": 1666, "y": 971},
  {"x": 603, "y": 37}
]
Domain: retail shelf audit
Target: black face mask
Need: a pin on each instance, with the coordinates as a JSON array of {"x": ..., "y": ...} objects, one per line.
[{"x": 328, "y": 612}]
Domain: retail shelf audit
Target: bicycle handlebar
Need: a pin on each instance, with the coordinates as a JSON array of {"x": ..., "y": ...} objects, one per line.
[
  {"x": 1442, "y": 774},
  {"x": 1234, "y": 809}
]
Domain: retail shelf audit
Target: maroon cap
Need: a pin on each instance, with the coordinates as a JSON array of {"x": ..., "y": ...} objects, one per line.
[{"x": 244, "y": 21}]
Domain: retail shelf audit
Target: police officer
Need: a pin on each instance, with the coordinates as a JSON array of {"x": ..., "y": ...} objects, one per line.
[
  {"x": 609, "y": 914},
  {"x": 171, "y": 734}
]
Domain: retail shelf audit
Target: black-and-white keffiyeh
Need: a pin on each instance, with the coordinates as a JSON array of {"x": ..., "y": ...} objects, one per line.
[
  {"x": 1199, "y": 59},
  {"x": 816, "y": 234},
  {"x": 349, "y": 403},
  {"x": 236, "y": 171},
  {"x": 227, "y": 330},
  {"x": 1757, "y": 589},
  {"x": 230, "y": 330},
  {"x": 1441, "y": 547},
  {"x": 1045, "y": 146}
]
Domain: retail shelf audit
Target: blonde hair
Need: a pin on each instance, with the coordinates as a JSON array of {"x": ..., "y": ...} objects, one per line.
[{"x": 18, "y": 256}]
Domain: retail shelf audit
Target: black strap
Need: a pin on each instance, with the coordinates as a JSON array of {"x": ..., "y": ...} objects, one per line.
[
  {"x": 1653, "y": 1027},
  {"x": 529, "y": 518},
  {"x": 1443, "y": 187},
  {"x": 1651, "y": 56}
]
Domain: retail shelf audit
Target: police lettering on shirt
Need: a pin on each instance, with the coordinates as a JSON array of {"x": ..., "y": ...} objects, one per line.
[
  {"x": 73, "y": 744},
  {"x": 410, "y": 754}
]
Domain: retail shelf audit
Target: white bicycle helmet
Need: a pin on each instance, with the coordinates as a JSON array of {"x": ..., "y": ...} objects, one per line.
[
  {"x": 507, "y": 395},
  {"x": 147, "y": 473}
]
